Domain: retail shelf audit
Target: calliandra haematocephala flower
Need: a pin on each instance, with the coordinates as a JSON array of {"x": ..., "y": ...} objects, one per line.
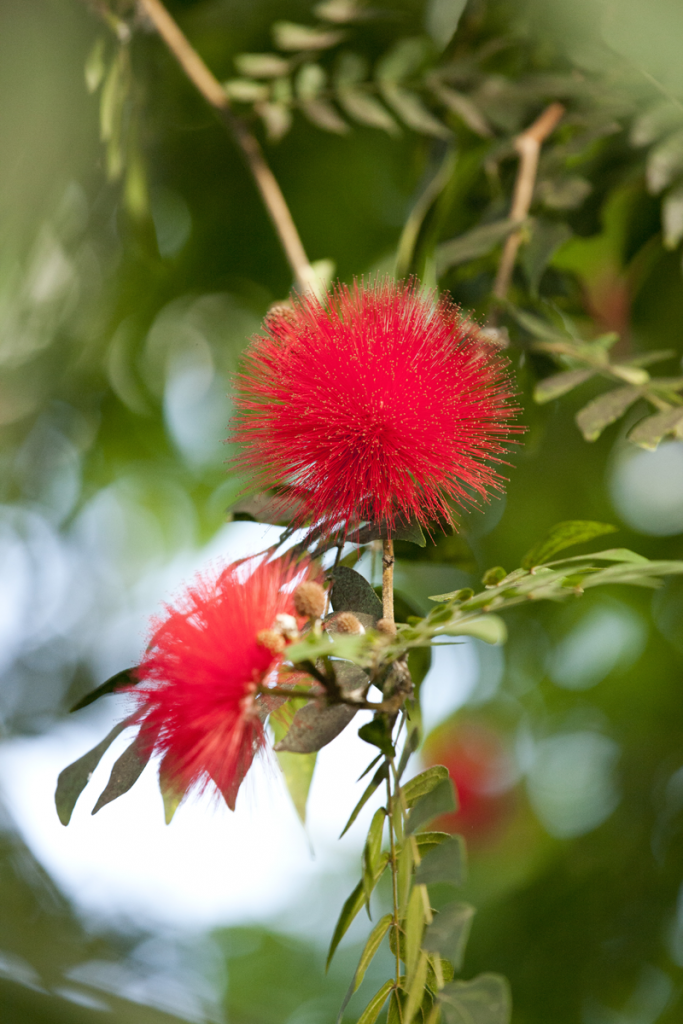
[
  {"x": 222, "y": 639},
  {"x": 376, "y": 403}
]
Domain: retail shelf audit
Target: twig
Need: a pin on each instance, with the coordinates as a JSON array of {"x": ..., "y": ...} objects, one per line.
[
  {"x": 210, "y": 88},
  {"x": 388, "y": 580},
  {"x": 528, "y": 145}
]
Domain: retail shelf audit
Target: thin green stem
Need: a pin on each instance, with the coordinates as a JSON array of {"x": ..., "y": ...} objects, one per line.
[{"x": 394, "y": 884}]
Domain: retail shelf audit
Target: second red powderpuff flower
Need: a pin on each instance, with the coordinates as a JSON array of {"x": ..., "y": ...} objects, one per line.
[
  {"x": 373, "y": 404},
  {"x": 206, "y": 659}
]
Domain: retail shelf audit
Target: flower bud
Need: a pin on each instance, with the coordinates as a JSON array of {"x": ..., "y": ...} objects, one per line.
[
  {"x": 387, "y": 627},
  {"x": 347, "y": 622},
  {"x": 274, "y": 642},
  {"x": 310, "y": 600}
]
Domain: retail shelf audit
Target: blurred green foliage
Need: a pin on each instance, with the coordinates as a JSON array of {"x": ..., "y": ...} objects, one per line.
[{"x": 129, "y": 283}]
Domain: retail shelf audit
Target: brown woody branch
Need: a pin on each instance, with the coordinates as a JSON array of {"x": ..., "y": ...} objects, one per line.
[
  {"x": 213, "y": 92},
  {"x": 528, "y": 145}
]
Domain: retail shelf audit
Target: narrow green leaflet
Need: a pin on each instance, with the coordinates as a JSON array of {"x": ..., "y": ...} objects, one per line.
[
  {"x": 352, "y": 906},
  {"x": 448, "y": 933},
  {"x": 73, "y": 780},
  {"x": 423, "y": 783},
  {"x": 609, "y": 555},
  {"x": 413, "y": 926},
  {"x": 650, "y": 431},
  {"x": 126, "y": 771},
  {"x": 564, "y": 535},
  {"x": 372, "y": 851},
  {"x": 441, "y": 800},
  {"x": 378, "y": 733},
  {"x": 427, "y": 841},
  {"x": 416, "y": 990},
  {"x": 441, "y": 20},
  {"x": 444, "y": 863},
  {"x": 369, "y": 767},
  {"x": 374, "y": 1007},
  {"x": 297, "y": 770},
  {"x": 489, "y": 628},
  {"x": 170, "y": 794},
  {"x": 480, "y": 241},
  {"x": 371, "y": 946},
  {"x": 122, "y": 679},
  {"x": 484, "y": 1000},
  {"x": 606, "y": 409},
  {"x": 377, "y": 779},
  {"x": 559, "y": 384}
]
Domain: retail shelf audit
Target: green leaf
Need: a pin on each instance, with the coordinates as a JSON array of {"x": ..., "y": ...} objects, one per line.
[
  {"x": 404, "y": 875},
  {"x": 441, "y": 20},
  {"x": 95, "y": 66},
  {"x": 371, "y": 947},
  {"x": 405, "y": 58},
  {"x": 377, "y": 779},
  {"x": 413, "y": 112},
  {"x": 606, "y": 409},
  {"x": 413, "y": 927},
  {"x": 117, "y": 682},
  {"x": 372, "y": 850},
  {"x": 463, "y": 107},
  {"x": 564, "y": 535},
  {"x": 416, "y": 990},
  {"x": 547, "y": 236},
  {"x": 323, "y": 115},
  {"x": 395, "y": 1012},
  {"x": 610, "y": 555},
  {"x": 289, "y": 36},
  {"x": 559, "y": 384},
  {"x": 369, "y": 767},
  {"x": 277, "y": 119},
  {"x": 378, "y": 733},
  {"x": 261, "y": 65},
  {"x": 352, "y": 906},
  {"x": 665, "y": 163},
  {"x": 650, "y": 431},
  {"x": 672, "y": 217},
  {"x": 315, "y": 725},
  {"x": 445, "y": 863},
  {"x": 374, "y": 1007},
  {"x": 73, "y": 779},
  {"x": 171, "y": 794},
  {"x": 402, "y": 529},
  {"x": 441, "y": 800},
  {"x": 423, "y": 783},
  {"x": 464, "y": 594},
  {"x": 366, "y": 110},
  {"x": 351, "y": 592},
  {"x": 126, "y": 770},
  {"x": 448, "y": 933},
  {"x": 339, "y": 11},
  {"x": 246, "y": 90},
  {"x": 298, "y": 774},
  {"x": 484, "y": 1000},
  {"x": 471, "y": 245},
  {"x": 492, "y": 577},
  {"x": 427, "y": 841},
  {"x": 489, "y": 628}
]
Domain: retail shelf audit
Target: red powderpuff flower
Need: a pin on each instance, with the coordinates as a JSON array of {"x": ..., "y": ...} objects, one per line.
[
  {"x": 204, "y": 663},
  {"x": 376, "y": 403}
]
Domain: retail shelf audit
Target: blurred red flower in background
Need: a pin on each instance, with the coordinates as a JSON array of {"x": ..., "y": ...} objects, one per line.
[
  {"x": 204, "y": 662},
  {"x": 376, "y": 403},
  {"x": 483, "y": 773}
]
